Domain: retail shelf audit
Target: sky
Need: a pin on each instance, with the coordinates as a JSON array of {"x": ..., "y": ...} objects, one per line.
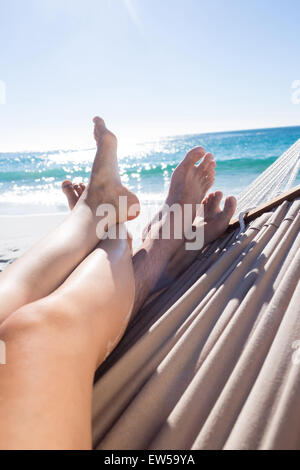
[{"x": 150, "y": 67}]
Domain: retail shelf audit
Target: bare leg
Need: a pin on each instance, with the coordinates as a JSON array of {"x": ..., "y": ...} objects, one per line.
[
  {"x": 42, "y": 269},
  {"x": 54, "y": 346}
]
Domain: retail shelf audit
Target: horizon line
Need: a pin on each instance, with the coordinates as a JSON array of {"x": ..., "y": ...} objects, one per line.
[{"x": 161, "y": 137}]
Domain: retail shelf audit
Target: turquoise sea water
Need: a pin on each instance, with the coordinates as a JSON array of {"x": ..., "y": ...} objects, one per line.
[{"x": 30, "y": 181}]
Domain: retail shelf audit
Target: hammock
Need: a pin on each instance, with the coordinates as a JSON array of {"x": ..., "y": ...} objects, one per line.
[
  {"x": 213, "y": 362},
  {"x": 277, "y": 179}
]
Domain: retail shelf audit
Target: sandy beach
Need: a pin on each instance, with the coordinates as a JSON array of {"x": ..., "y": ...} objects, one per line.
[{"x": 18, "y": 233}]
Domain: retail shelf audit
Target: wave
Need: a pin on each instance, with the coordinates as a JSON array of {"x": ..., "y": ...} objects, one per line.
[
  {"x": 139, "y": 169},
  {"x": 253, "y": 164},
  {"x": 57, "y": 174}
]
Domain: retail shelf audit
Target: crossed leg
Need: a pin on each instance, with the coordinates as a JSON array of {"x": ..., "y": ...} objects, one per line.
[
  {"x": 68, "y": 302},
  {"x": 54, "y": 346}
]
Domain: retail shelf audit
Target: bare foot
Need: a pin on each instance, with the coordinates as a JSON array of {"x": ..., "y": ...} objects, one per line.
[
  {"x": 189, "y": 182},
  {"x": 73, "y": 192},
  {"x": 189, "y": 185},
  {"x": 216, "y": 222},
  {"x": 105, "y": 185}
]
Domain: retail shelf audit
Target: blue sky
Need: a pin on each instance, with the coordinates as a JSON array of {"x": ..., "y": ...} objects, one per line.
[{"x": 149, "y": 67}]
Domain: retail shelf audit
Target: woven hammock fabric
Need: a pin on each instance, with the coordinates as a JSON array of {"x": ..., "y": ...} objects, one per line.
[
  {"x": 212, "y": 363},
  {"x": 277, "y": 179}
]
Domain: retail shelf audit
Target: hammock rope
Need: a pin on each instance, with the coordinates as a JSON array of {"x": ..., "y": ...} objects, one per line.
[{"x": 277, "y": 179}]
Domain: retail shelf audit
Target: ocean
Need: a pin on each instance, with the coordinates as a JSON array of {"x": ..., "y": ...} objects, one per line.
[{"x": 30, "y": 181}]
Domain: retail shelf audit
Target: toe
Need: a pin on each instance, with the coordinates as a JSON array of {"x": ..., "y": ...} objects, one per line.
[
  {"x": 210, "y": 180},
  {"x": 69, "y": 191},
  {"x": 102, "y": 134},
  {"x": 207, "y": 166},
  {"x": 81, "y": 189},
  {"x": 77, "y": 190},
  {"x": 100, "y": 127},
  {"x": 66, "y": 183},
  {"x": 219, "y": 195},
  {"x": 98, "y": 121},
  {"x": 194, "y": 155},
  {"x": 207, "y": 173},
  {"x": 214, "y": 200},
  {"x": 230, "y": 207},
  {"x": 208, "y": 161}
]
